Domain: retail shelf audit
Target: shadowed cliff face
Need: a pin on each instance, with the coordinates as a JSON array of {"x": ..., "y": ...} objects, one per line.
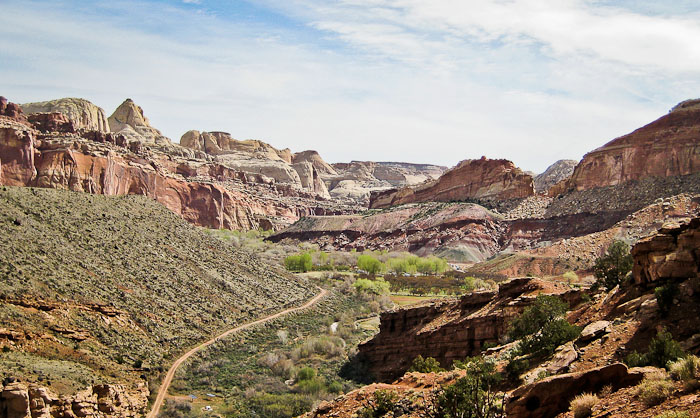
[
  {"x": 470, "y": 179},
  {"x": 669, "y": 146},
  {"x": 452, "y": 330}
]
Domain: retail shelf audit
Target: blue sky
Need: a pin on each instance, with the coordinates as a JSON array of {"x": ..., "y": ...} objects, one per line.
[{"x": 404, "y": 80}]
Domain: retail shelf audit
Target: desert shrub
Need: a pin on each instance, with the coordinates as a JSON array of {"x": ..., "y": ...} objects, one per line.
[
  {"x": 686, "y": 370},
  {"x": 285, "y": 405},
  {"x": 335, "y": 387},
  {"x": 654, "y": 390},
  {"x": 306, "y": 373},
  {"x": 382, "y": 402},
  {"x": 582, "y": 405},
  {"x": 370, "y": 264},
  {"x": 664, "y": 297},
  {"x": 673, "y": 414},
  {"x": 541, "y": 326},
  {"x": 663, "y": 349},
  {"x": 612, "y": 267},
  {"x": 284, "y": 368},
  {"x": 515, "y": 368},
  {"x": 425, "y": 365},
  {"x": 378, "y": 286},
  {"x": 570, "y": 277},
  {"x": 473, "y": 395},
  {"x": 324, "y": 346},
  {"x": 176, "y": 409},
  {"x": 312, "y": 386},
  {"x": 299, "y": 263}
]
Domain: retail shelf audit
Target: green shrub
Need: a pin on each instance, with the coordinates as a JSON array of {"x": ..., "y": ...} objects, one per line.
[
  {"x": 473, "y": 395},
  {"x": 687, "y": 370},
  {"x": 664, "y": 297},
  {"x": 570, "y": 277},
  {"x": 335, "y": 387},
  {"x": 383, "y": 402},
  {"x": 541, "y": 326},
  {"x": 285, "y": 405},
  {"x": 611, "y": 268},
  {"x": 663, "y": 349},
  {"x": 425, "y": 365},
  {"x": 582, "y": 405},
  {"x": 298, "y": 263},
  {"x": 312, "y": 386},
  {"x": 653, "y": 391},
  {"x": 306, "y": 373},
  {"x": 515, "y": 368}
]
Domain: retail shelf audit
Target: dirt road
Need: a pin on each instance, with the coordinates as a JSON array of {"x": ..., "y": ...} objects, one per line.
[{"x": 162, "y": 392}]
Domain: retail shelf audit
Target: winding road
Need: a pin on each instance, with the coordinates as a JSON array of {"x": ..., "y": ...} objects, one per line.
[{"x": 162, "y": 392}]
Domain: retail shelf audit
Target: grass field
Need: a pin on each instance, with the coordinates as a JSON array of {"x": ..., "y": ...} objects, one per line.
[{"x": 402, "y": 300}]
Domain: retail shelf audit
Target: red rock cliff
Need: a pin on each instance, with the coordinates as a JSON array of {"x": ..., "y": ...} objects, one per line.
[
  {"x": 448, "y": 331},
  {"x": 470, "y": 179},
  {"x": 669, "y": 146},
  {"x": 671, "y": 254},
  {"x": 202, "y": 192}
]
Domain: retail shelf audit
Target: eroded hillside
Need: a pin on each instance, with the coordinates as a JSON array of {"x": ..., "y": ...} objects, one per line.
[{"x": 99, "y": 289}]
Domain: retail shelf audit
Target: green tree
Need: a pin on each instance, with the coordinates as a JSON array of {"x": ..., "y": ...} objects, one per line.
[
  {"x": 378, "y": 287},
  {"x": 370, "y": 264},
  {"x": 663, "y": 349},
  {"x": 542, "y": 327},
  {"x": 611, "y": 268},
  {"x": 474, "y": 395},
  {"x": 299, "y": 263},
  {"x": 425, "y": 365}
]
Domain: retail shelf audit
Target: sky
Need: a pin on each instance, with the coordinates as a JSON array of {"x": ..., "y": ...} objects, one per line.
[{"x": 437, "y": 81}]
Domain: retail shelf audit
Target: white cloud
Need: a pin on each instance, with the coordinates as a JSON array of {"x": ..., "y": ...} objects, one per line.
[{"x": 392, "y": 80}]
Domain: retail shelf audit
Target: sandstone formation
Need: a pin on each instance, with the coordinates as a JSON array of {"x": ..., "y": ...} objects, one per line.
[
  {"x": 552, "y": 395},
  {"x": 18, "y": 400},
  {"x": 259, "y": 160},
  {"x": 136, "y": 160},
  {"x": 671, "y": 254},
  {"x": 128, "y": 120},
  {"x": 451, "y": 330},
  {"x": 669, "y": 146},
  {"x": 464, "y": 232},
  {"x": 470, "y": 179},
  {"x": 81, "y": 112},
  {"x": 555, "y": 173}
]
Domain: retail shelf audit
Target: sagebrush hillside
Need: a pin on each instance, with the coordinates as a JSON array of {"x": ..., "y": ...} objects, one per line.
[{"x": 98, "y": 288}]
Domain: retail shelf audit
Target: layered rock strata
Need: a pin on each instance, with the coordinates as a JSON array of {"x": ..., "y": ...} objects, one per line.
[
  {"x": 451, "y": 330},
  {"x": 82, "y": 113},
  {"x": 202, "y": 190},
  {"x": 669, "y": 146},
  {"x": 18, "y": 400},
  {"x": 470, "y": 179},
  {"x": 671, "y": 254}
]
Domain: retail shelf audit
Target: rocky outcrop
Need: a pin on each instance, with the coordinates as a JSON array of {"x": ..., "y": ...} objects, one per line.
[
  {"x": 16, "y": 154},
  {"x": 669, "y": 146},
  {"x": 552, "y": 395},
  {"x": 128, "y": 120},
  {"x": 470, "y": 179},
  {"x": 671, "y": 254},
  {"x": 52, "y": 122},
  {"x": 555, "y": 173},
  {"x": 81, "y": 112},
  {"x": 464, "y": 232},
  {"x": 18, "y": 400},
  {"x": 449, "y": 330}
]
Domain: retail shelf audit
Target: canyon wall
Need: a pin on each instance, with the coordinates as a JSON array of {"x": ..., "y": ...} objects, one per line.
[
  {"x": 671, "y": 254},
  {"x": 451, "y": 330},
  {"x": 470, "y": 179},
  {"x": 669, "y": 146},
  {"x": 18, "y": 400}
]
